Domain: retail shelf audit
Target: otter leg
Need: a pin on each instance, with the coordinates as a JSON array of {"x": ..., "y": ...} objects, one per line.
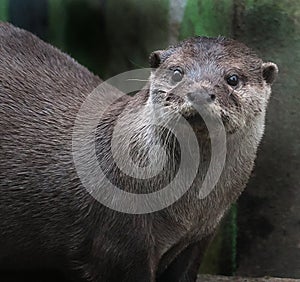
[
  {"x": 120, "y": 266},
  {"x": 137, "y": 272},
  {"x": 185, "y": 267}
]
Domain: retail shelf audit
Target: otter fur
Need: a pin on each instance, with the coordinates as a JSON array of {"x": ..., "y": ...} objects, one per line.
[{"x": 48, "y": 218}]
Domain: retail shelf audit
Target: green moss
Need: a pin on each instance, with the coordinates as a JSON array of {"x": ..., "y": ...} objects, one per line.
[
  {"x": 269, "y": 23},
  {"x": 210, "y": 264},
  {"x": 220, "y": 258},
  {"x": 206, "y": 17},
  {"x": 4, "y": 10}
]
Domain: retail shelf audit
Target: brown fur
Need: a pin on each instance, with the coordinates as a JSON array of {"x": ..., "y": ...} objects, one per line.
[{"x": 47, "y": 215}]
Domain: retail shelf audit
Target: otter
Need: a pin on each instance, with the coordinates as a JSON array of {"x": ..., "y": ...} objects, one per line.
[{"x": 48, "y": 217}]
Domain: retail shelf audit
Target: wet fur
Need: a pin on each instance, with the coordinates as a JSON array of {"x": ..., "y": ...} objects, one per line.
[{"x": 46, "y": 213}]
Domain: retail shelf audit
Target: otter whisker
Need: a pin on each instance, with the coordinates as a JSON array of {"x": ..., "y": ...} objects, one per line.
[
  {"x": 137, "y": 79},
  {"x": 172, "y": 90}
]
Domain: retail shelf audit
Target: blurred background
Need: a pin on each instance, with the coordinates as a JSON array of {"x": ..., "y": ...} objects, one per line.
[{"x": 261, "y": 234}]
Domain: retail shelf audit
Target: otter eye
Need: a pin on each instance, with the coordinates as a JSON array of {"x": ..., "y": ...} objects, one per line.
[
  {"x": 177, "y": 75},
  {"x": 233, "y": 80}
]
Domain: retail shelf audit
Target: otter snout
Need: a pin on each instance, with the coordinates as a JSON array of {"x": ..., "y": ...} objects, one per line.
[{"x": 201, "y": 96}]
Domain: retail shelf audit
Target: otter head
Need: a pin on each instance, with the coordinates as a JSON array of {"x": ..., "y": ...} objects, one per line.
[{"x": 220, "y": 74}]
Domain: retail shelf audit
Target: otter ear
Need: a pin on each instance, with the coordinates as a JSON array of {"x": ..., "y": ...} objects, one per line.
[
  {"x": 155, "y": 59},
  {"x": 158, "y": 57},
  {"x": 269, "y": 72}
]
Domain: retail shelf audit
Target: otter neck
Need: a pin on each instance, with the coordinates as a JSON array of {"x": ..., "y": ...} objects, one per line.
[{"x": 147, "y": 143}]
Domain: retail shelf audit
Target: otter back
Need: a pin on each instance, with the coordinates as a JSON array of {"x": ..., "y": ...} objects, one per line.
[{"x": 41, "y": 90}]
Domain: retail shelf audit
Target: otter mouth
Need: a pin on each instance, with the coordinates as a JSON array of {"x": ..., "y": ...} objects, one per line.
[
  {"x": 171, "y": 98},
  {"x": 196, "y": 121},
  {"x": 187, "y": 109}
]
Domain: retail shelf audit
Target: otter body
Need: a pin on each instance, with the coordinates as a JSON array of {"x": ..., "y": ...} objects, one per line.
[{"x": 48, "y": 218}]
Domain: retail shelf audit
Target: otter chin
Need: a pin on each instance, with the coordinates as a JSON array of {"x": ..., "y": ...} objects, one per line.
[{"x": 47, "y": 213}]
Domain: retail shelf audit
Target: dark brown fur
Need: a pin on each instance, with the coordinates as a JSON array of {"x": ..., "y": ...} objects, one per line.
[{"x": 48, "y": 216}]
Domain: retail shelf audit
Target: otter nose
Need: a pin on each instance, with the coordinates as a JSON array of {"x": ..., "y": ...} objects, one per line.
[{"x": 201, "y": 97}]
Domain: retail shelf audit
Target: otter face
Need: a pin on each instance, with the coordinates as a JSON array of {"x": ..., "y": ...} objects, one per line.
[{"x": 220, "y": 74}]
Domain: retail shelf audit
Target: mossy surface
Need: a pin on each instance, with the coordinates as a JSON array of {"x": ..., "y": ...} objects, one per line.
[
  {"x": 4, "y": 10},
  {"x": 208, "y": 18},
  {"x": 220, "y": 257}
]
